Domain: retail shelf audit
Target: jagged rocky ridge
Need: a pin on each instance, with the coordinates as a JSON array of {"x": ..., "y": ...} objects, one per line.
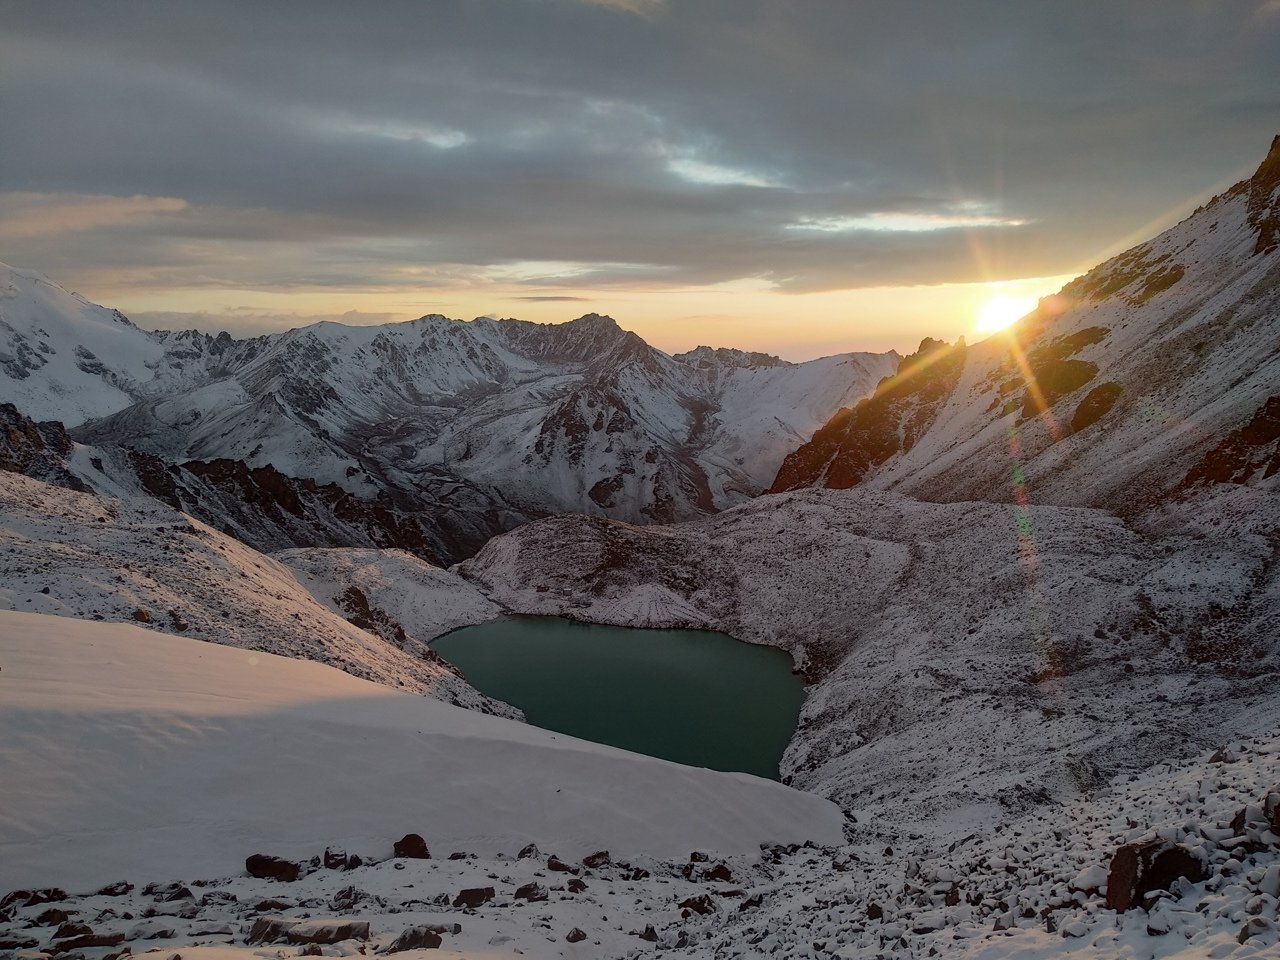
[{"x": 468, "y": 428}]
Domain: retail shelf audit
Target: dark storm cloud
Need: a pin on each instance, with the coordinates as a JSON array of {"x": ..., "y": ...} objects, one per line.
[{"x": 422, "y": 144}]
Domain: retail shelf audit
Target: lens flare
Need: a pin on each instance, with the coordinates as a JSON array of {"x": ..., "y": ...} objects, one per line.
[{"x": 1002, "y": 310}]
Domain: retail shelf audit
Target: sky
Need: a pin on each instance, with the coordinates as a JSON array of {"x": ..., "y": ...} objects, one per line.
[{"x": 798, "y": 176}]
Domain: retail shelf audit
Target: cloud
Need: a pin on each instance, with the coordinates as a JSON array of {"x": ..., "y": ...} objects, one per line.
[
  {"x": 25, "y": 215},
  {"x": 466, "y": 146}
]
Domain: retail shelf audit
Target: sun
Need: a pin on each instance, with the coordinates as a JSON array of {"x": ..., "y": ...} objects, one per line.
[{"x": 1000, "y": 311}]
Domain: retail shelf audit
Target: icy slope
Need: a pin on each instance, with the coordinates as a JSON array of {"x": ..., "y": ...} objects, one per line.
[
  {"x": 79, "y": 555},
  {"x": 1113, "y": 391},
  {"x": 225, "y": 753},
  {"x": 968, "y": 658}
]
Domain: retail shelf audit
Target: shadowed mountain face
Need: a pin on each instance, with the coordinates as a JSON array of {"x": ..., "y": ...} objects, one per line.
[
  {"x": 475, "y": 426},
  {"x": 1158, "y": 368}
]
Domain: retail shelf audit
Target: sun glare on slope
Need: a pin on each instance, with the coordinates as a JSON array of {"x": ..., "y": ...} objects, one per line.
[{"x": 1000, "y": 311}]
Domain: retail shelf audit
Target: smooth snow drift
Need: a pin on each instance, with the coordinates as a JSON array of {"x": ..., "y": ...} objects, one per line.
[{"x": 124, "y": 753}]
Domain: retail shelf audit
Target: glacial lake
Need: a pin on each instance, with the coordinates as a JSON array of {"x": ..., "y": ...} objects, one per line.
[{"x": 700, "y": 698}]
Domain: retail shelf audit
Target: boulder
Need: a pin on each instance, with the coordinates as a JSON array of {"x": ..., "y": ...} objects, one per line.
[
  {"x": 334, "y": 859},
  {"x": 595, "y": 861},
  {"x": 266, "y": 867},
  {"x": 1140, "y": 868},
  {"x": 118, "y": 889},
  {"x": 649, "y": 934},
  {"x": 556, "y": 865},
  {"x": 576, "y": 886},
  {"x": 327, "y": 931},
  {"x": 415, "y": 938},
  {"x": 531, "y": 850},
  {"x": 51, "y": 917},
  {"x": 533, "y": 892},
  {"x": 412, "y": 847},
  {"x": 473, "y": 897},
  {"x": 720, "y": 873},
  {"x": 269, "y": 929},
  {"x": 575, "y": 936},
  {"x": 88, "y": 940},
  {"x": 702, "y": 904},
  {"x": 71, "y": 928}
]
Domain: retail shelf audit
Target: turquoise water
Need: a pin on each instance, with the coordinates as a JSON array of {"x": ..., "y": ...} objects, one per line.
[{"x": 699, "y": 698}]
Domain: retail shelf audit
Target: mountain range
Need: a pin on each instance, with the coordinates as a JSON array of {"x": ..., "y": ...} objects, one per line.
[{"x": 465, "y": 429}]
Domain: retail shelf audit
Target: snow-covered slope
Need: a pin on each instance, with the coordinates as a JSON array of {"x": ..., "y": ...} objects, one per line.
[
  {"x": 186, "y": 720},
  {"x": 1155, "y": 367},
  {"x": 967, "y": 658},
  {"x": 128, "y": 754},
  {"x": 104, "y": 558}
]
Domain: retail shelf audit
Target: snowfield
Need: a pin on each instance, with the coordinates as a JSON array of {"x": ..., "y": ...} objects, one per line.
[
  {"x": 131, "y": 754},
  {"x": 147, "y": 768}
]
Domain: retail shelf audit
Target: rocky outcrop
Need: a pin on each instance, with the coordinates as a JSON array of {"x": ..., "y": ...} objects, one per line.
[
  {"x": 38, "y": 450},
  {"x": 888, "y": 422},
  {"x": 1141, "y": 868},
  {"x": 1246, "y": 455}
]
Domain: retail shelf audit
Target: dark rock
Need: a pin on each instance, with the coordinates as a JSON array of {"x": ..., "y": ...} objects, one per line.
[
  {"x": 311, "y": 950},
  {"x": 52, "y": 916},
  {"x": 719, "y": 873},
  {"x": 89, "y": 940},
  {"x": 15, "y": 941},
  {"x": 31, "y": 898},
  {"x": 529, "y": 851},
  {"x": 575, "y": 936},
  {"x": 556, "y": 865},
  {"x": 412, "y": 847},
  {"x": 457, "y": 855},
  {"x": 595, "y": 861},
  {"x": 1140, "y": 868},
  {"x": 334, "y": 859},
  {"x": 875, "y": 911},
  {"x": 751, "y": 903},
  {"x": 272, "y": 905},
  {"x": 702, "y": 904},
  {"x": 533, "y": 892},
  {"x": 72, "y": 928},
  {"x": 697, "y": 857},
  {"x": 639, "y": 873},
  {"x": 1095, "y": 405},
  {"x": 265, "y": 867},
  {"x": 269, "y": 929},
  {"x": 473, "y": 897},
  {"x": 576, "y": 886},
  {"x": 649, "y": 934},
  {"x": 1254, "y": 927},
  {"x": 171, "y": 892},
  {"x": 415, "y": 938},
  {"x": 327, "y": 931},
  {"x": 119, "y": 889}
]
